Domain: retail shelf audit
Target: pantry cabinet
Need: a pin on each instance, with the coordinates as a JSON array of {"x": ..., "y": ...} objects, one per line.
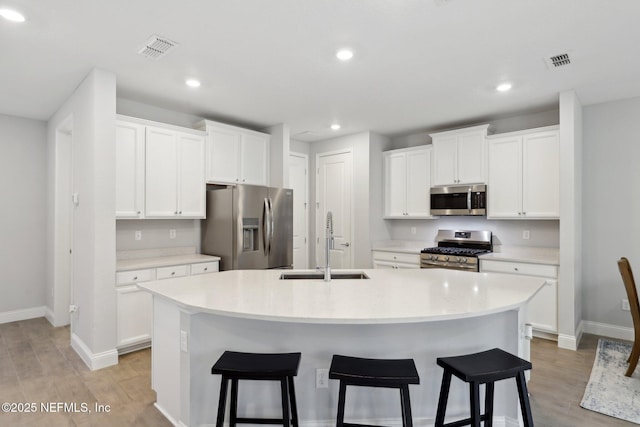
[
  {"x": 407, "y": 179},
  {"x": 175, "y": 186},
  {"x": 459, "y": 156},
  {"x": 130, "y": 144},
  {"x": 524, "y": 175},
  {"x": 236, "y": 155}
]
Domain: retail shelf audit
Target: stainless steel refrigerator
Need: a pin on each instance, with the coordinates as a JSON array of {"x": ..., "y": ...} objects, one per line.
[{"x": 249, "y": 227}]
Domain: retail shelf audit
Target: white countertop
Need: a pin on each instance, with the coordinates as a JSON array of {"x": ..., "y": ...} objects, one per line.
[
  {"x": 533, "y": 255},
  {"x": 404, "y": 246},
  {"x": 389, "y": 296},
  {"x": 162, "y": 261}
]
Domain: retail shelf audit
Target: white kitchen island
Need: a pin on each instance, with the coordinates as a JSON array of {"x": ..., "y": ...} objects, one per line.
[{"x": 419, "y": 314}]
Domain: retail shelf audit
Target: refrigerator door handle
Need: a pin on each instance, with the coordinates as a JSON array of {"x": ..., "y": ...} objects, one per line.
[
  {"x": 266, "y": 224},
  {"x": 271, "y": 227}
]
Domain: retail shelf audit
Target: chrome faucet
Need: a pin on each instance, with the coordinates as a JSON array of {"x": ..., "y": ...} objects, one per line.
[{"x": 328, "y": 247}]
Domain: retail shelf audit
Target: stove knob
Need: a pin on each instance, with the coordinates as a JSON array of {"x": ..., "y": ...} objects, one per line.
[
  {"x": 433, "y": 257},
  {"x": 446, "y": 258},
  {"x": 463, "y": 260}
]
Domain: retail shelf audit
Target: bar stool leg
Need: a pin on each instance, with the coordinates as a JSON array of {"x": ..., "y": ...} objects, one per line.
[
  {"x": 292, "y": 400},
  {"x": 222, "y": 401},
  {"x": 233, "y": 409},
  {"x": 444, "y": 397},
  {"x": 286, "y": 417},
  {"x": 474, "y": 398},
  {"x": 341, "y": 402},
  {"x": 527, "y": 419},
  {"x": 407, "y": 420},
  {"x": 488, "y": 405}
]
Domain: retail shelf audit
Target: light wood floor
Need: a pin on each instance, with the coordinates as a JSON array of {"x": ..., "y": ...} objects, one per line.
[{"x": 38, "y": 365}]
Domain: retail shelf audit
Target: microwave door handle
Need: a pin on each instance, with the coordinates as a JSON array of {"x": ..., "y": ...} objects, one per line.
[{"x": 469, "y": 199}]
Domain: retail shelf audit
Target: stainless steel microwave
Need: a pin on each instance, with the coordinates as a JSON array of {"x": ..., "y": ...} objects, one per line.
[{"x": 459, "y": 200}]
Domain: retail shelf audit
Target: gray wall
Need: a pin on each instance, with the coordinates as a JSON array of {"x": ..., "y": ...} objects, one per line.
[
  {"x": 611, "y": 206},
  {"x": 23, "y": 174}
]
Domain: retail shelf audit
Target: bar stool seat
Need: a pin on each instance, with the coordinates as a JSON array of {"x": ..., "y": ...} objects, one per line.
[
  {"x": 485, "y": 367},
  {"x": 386, "y": 373},
  {"x": 235, "y": 366}
]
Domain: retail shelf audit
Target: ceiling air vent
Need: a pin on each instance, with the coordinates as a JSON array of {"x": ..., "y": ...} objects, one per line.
[
  {"x": 157, "y": 47},
  {"x": 558, "y": 60}
]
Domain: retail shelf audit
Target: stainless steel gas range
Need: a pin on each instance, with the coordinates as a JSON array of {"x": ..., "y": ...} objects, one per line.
[{"x": 457, "y": 250}]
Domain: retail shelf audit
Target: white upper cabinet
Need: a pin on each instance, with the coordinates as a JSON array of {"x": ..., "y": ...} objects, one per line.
[
  {"x": 524, "y": 175},
  {"x": 129, "y": 170},
  {"x": 459, "y": 156},
  {"x": 175, "y": 186},
  {"x": 407, "y": 180},
  {"x": 236, "y": 155}
]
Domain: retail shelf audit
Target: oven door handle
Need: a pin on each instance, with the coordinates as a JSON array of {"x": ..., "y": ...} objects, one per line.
[{"x": 469, "y": 199}]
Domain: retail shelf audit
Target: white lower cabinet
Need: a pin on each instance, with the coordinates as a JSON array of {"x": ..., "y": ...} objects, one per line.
[
  {"x": 384, "y": 259},
  {"x": 135, "y": 307},
  {"x": 543, "y": 308}
]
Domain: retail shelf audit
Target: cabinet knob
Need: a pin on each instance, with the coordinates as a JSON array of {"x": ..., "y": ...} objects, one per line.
[
  {"x": 139, "y": 212},
  {"x": 237, "y": 180},
  {"x": 173, "y": 272},
  {"x": 175, "y": 213},
  {"x": 135, "y": 278},
  {"x": 243, "y": 180},
  {"x": 515, "y": 268},
  {"x": 180, "y": 213},
  {"x": 206, "y": 268}
]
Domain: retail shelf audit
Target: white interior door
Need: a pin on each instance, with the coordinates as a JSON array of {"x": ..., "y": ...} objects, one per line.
[
  {"x": 299, "y": 182},
  {"x": 334, "y": 188}
]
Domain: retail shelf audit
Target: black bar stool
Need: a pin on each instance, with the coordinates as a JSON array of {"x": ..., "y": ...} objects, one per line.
[
  {"x": 384, "y": 373},
  {"x": 234, "y": 366},
  {"x": 486, "y": 368}
]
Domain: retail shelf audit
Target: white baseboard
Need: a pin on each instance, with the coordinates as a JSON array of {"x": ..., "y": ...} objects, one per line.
[
  {"x": 23, "y": 314},
  {"x": 611, "y": 331},
  {"x": 93, "y": 360},
  {"x": 170, "y": 418}
]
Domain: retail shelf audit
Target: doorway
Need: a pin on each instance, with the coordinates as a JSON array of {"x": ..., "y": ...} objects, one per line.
[
  {"x": 299, "y": 182},
  {"x": 334, "y": 189},
  {"x": 63, "y": 225}
]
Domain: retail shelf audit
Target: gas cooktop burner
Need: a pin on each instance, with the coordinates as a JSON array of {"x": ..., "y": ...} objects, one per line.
[{"x": 455, "y": 251}]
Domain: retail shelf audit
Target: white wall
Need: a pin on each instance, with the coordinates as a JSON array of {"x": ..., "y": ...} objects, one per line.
[
  {"x": 92, "y": 108},
  {"x": 23, "y": 226},
  {"x": 140, "y": 110},
  {"x": 155, "y": 233},
  {"x": 278, "y": 155},
  {"x": 611, "y": 206}
]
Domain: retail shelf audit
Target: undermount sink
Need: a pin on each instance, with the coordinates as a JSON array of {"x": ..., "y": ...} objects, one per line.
[{"x": 320, "y": 275}]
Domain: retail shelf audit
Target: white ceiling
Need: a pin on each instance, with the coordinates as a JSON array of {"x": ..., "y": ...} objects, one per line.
[{"x": 419, "y": 64}]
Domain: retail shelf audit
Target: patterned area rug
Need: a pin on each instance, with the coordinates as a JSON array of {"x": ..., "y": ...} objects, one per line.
[{"x": 609, "y": 391}]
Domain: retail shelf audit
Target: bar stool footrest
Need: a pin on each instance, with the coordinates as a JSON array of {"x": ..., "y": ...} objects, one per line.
[
  {"x": 360, "y": 425},
  {"x": 259, "y": 420},
  {"x": 465, "y": 422}
]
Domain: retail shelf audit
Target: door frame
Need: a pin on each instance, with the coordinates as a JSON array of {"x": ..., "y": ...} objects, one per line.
[
  {"x": 319, "y": 222},
  {"x": 305, "y": 158}
]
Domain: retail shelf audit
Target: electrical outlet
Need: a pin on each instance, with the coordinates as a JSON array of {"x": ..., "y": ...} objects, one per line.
[
  {"x": 526, "y": 235},
  {"x": 625, "y": 305},
  {"x": 322, "y": 378},
  {"x": 172, "y": 234},
  {"x": 138, "y": 235},
  {"x": 413, "y": 230}
]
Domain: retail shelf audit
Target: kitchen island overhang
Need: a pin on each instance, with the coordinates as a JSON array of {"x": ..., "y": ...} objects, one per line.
[{"x": 421, "y": 314}]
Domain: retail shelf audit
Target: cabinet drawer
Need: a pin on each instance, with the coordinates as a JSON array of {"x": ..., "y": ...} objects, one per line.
[
  {"x": 204, "y": 267},
  {"x": 541, "y": 270},
  {"x": 397, "y": 257},
  {"x": 135, "y": 276},
  {"x": 173, "y": 271}
]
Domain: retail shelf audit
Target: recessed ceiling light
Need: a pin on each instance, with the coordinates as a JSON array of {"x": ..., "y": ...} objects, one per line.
[
  {"x": 12, "y": 15},
  {"x": 503, "y": 87},
  {"x": 344, "y": 54},
  {"x": 335, "y": 126},
  {"x": 192, "y": 83}
]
